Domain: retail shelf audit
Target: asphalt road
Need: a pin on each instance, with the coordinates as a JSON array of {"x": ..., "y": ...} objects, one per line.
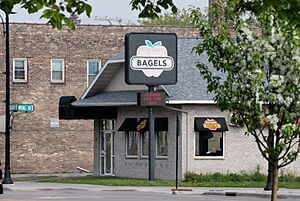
[{"x": 116, "y": 195}]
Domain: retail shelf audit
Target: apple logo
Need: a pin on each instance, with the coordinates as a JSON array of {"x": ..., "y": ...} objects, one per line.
[{"x": 152, "y": 59}]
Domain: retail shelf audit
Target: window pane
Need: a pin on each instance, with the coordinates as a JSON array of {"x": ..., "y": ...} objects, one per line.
[
  {"x": 20, "y": 74},
  {"x": 93, "y": 67},
  {"x": 162, "y": 143},
  {"x": 132, "y": 144},
  {"x": 56, "y": 75},
  {"x": 56, "y": 65},
  {"x": 145, "y": 143},
  {"x": 91, "y": 78},
  {"x": 19, "y": 65},
  {"x": 209, "y": 144}
]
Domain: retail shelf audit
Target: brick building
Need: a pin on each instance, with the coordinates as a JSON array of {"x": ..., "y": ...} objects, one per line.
[{"x": 45, "y": 65}]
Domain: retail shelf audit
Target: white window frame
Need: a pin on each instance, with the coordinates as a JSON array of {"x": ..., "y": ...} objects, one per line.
[
  {"x": 137, "y": 144},
  {"x": 141, "y": 142},
  {"x": 156, "y": 144},
  {"x": 25, "y": 70},
  {"x": 210, "y": 157},
  {"x": 87, "y": 68},
  {"x": 63, "y": 71}
]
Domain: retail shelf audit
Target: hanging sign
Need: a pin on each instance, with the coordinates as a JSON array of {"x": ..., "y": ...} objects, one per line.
[{"x": 151, "y": 58}]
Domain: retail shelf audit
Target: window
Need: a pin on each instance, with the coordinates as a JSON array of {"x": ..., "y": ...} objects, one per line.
[
  {"x": 145, "y": 143},
  {"x": 93, "y": 67},
  {"x": 131, "y": 143},
  {"x": 161, "y": 143},
  {"x": 57, "y": 70},
  {"x": 20, "y": 70},
  {"x": 208, "y": 143}
]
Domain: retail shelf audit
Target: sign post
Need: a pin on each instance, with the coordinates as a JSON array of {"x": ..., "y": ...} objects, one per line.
[{"x": 151, "y": 59}]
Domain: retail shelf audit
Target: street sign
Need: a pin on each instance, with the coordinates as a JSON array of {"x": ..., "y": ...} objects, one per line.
[
  {"x": 16, "y": 107},
  {"x": 151, "y": 58}
]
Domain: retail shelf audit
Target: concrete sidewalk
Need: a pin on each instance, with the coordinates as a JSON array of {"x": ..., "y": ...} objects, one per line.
[{"x": 250, "y": 192}]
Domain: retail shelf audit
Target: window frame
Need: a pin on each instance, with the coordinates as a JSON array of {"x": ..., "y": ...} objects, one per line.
[
  {"x": 87, "y": 69},
  {"x": 62, "y": 70},
  {"x": 210, "y": 157},
  {"x": 126, "y": 144},
  {"x": 156, "y": 144},
  {"x": 25, "y": 70},
  {"x": 141, "y": 143}
]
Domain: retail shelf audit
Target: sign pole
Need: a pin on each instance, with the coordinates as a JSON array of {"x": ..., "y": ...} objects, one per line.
[
  {"x": 151, "y": 140},
  {"x": 176, "y": 149},
  {"x": 7, "y": 178}
]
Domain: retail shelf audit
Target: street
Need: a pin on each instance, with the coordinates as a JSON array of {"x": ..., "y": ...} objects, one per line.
[{"x": 66, "y": 194}]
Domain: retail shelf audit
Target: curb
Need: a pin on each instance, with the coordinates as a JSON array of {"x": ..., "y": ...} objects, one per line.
[{"x": 260, "y": 195}]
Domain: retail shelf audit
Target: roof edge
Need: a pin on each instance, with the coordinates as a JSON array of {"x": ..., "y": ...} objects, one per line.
[{"x": 111, "y": 61}]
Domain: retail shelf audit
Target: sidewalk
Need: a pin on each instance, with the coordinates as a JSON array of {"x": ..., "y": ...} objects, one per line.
[{"x": 250, "y": 192}]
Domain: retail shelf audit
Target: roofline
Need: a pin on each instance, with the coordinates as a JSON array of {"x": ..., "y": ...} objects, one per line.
[
  {"x": 98, "y": 75},
  {"x": 104, "y": 104},
  {"x": 190, "y": 102},
  {"x": 169, "y": 102}
]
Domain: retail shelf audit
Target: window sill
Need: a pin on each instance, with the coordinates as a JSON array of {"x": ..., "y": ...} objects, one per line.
[
  {"x": 209, "y": 157},
  {"x": 20, "y": 81},
  {"x": 131, "y": 157},
  {"x": 57, "y": 82}
]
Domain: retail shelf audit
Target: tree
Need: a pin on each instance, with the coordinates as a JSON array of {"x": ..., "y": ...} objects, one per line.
[
  {"x": 285, "y": 9},
  {"x": 151, "y": 9},
  {"x": 180, "y": 18},
  {"x": 260, "y": 82},
  {"x": 54, "y": 11}
]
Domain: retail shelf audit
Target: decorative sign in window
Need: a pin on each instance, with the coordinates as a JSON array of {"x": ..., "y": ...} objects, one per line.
[{"x": 211, "y": 124}]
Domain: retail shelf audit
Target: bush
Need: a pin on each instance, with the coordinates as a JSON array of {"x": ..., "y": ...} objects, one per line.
[{"x": 229, "y": 177}]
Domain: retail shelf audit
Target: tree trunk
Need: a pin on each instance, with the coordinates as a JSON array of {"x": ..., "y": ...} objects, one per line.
[{"x": 275, "y": 182}]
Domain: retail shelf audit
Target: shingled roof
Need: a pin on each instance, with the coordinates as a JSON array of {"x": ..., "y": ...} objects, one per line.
[{"x": 189, "y": 89}]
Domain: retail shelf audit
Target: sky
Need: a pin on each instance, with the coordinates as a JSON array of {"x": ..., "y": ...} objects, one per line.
[{"x": 112, "y": 10}]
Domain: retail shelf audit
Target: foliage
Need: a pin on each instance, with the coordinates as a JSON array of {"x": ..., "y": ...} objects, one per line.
[
  {"x": 151, "y": 9},
  {"x": 229, "y": 177},
  {"x": 54, "y": 11},
  {"x": 261, "y": 79},
  {"x": 285, "y": 9},
  {"x": 181, "y": 18}
]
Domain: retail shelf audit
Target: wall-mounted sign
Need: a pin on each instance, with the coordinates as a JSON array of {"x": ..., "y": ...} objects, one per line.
[
  {"x": 151, "y": 58},
  {"x": 151, "y": 99}
]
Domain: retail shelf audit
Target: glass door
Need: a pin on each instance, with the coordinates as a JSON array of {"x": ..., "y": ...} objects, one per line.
[{"x": 107, "y": 147}]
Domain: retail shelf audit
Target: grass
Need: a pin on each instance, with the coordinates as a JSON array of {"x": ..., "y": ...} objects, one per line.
[{"x": 192, "y": 180}]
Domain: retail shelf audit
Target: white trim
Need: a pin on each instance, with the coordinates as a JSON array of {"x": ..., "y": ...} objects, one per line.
[
  {"x": 25, "y": 70},
  {"x": 63, "y": 71},
  {"x": 156, "y": 145},
  {"x": 190, "y": 102},
  {"x": 87, "y": 69},
  {"x": 100, "y": 72},
  {"x": 104, "y": 104},
  {"x": 126, "y": 143},
  {"x": 210, "y": 157}
]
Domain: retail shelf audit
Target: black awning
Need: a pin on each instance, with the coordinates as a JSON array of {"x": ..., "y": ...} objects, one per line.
[
  {"x": 161, "y": 124},
  {"x": 132, "y": 124},
  {"x": 204, "y": 124},
  {"x": 129, "y": 124}
]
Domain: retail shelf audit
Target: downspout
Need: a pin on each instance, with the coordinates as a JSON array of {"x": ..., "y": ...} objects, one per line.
[{"x": 187, "y": 132}]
